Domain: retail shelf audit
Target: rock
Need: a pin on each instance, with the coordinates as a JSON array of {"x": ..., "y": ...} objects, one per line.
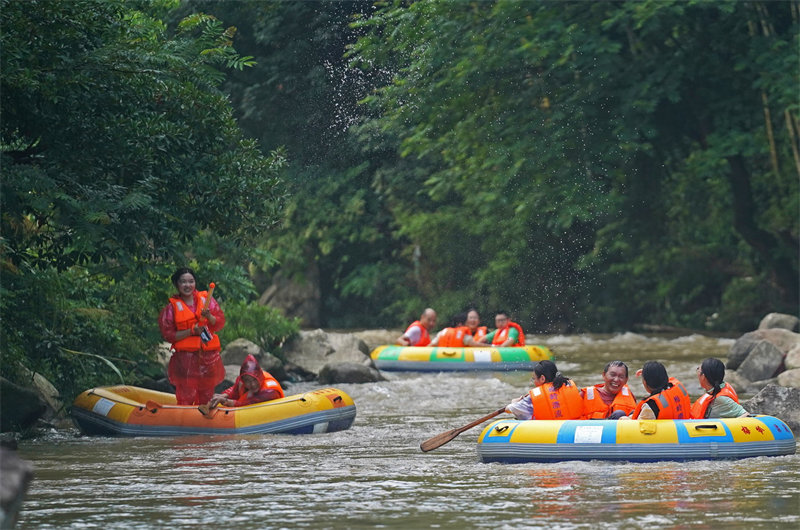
[
  {"x": 162, "y": 385},
  {"x": 778, "y": 401},
  {"x": 780, "y": 320},
  {"x": 783, "y": 339},
  {"x": 377, "y": 337},
  {"x": 296, "y": 297},
  {"x": 19, "y": 407},
  {"x": 348, "y": 372},
  {"x": 790, "y": 378},
  {"x": 15, "y": 478},
  {"x": 763, "y": 362},
  {"x": 163, "y": 353},
  {"x": 792, "y": 359},
  {"x": 311, "y": 350},
  {"x": 739, "y": 382},
  {"x": 50, "y": 395},
  {"x": 236, "y": 352}
]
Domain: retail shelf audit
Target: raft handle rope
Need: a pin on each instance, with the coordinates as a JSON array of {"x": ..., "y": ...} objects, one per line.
[
  {"x": 712, "y": 427},
  {"x": 152, "y": 406},
  {"x": 500, "y": 429},
  {"x": 449, "y": 353}
]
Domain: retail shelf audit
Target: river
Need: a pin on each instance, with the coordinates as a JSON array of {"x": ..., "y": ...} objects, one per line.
[{"x": 374, "y": 475}]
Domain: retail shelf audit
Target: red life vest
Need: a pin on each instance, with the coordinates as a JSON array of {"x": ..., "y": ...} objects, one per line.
[
  {"x": 501, "y": 334},
  {"x": 479, "y": 333},
  {"x": 595, "y": 408},
  {"x": 673, "y": 403},
  {"x": 424, "y": 338},
  {"x": 185, "y": 318},
  {"x": 701, "y": 407},
  {"x": 548, "y": 403},
  {"x": 453, "y": 337}
]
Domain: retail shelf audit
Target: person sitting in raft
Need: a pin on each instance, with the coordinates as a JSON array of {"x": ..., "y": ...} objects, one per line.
[
  {"x": 508, "y": 333},
  {"x": 473, "y": 322},
  {"x": 612, "y": 398},
  {"x": 554, "y": 397},
  {"x": 667, "y": 397},
  {"x": 418, "y": 333},
  {"x": 720, "y": 399},
  {"x": 195, "y": 367},
  {"x": 253, "y": 385},
  {"x": 455, "y": 336}
]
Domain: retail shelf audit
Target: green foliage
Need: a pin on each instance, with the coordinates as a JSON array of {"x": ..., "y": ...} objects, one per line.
[
  {"x": 119, "y": 152},
  {"x": 260, "y": 324}
]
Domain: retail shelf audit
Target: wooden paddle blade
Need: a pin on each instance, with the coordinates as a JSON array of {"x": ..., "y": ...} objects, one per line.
[{"x": 441, "y": 439}]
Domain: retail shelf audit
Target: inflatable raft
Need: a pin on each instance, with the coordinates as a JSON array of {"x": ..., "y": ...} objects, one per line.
[
  {"x": 436, "y": 359},
  {"x": 133, "y": 411},
  {"x": 514, "y": 441}
]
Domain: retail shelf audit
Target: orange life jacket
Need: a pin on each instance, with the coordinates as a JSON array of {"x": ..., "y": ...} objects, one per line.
[
  {"x": 673, "y": 403},
  {"x": 479, "y": 333},
  {"x": 185, "y": 318},
  {"x": 453, "y": 337},
  {"x": 424, "y": 338},
  {"x": 548, "y": 403},
  {"x": 501, "y": 335},
  {"x": 701, "y": 407},
  {"x": 595, "y": 408}
]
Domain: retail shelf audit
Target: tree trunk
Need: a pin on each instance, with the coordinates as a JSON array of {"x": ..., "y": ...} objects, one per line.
[{"x": 763, "y": 242}]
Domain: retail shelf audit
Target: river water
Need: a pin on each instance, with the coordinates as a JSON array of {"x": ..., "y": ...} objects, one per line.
[{"x": 374, "y": 475}]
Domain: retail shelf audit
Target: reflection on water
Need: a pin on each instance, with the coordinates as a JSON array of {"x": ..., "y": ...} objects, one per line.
[{"x": 375, "y": 475}]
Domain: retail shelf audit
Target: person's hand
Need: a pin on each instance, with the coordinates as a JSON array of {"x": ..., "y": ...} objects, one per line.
[{"x": 206, "y": 312}]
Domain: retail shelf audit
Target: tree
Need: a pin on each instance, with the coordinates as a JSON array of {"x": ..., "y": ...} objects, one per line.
[{"x": 118, "y": 151}]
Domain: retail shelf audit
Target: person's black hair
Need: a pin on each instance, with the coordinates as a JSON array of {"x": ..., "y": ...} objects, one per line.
[
  {"x": 459, "y": 319},
  {"x": 501, "y": 312},
  {"x": 655, "y": 375},
  {"x": 714, "y": 370},
  {"x": 180, "y": 272},
  {"x": 551, "y": 374},
  {"x": 616, "y": 363}
]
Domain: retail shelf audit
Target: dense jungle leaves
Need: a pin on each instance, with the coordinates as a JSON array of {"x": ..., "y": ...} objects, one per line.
[{"x": 589, "y": 166}]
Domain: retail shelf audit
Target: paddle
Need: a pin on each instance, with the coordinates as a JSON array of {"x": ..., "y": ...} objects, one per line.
[{"x": 441, "y": 439}]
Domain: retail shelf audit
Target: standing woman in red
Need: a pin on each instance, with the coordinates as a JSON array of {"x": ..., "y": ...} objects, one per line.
[{"x": 190, "y": 324}]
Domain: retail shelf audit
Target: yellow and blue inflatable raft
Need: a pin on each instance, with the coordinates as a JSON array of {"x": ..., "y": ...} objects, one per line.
[
  {"x": 444, "y": 359},
  {"x": 515, "y": 441},
  {"x": 132, "y": 411}
]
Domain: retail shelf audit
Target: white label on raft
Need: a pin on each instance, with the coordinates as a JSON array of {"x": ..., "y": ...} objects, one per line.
[
  {"x": 102, "y": 406},
  {"x": 482, "y": 356},
  {"x": 320, "y": 427},
  {"x": 588, "y": 434}
]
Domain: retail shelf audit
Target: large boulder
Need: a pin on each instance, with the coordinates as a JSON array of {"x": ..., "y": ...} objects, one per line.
[
  {"x": 765, "y": 360},
  {"x": 792, "y": 359},
  {"x": 781, "y": 402},
  {"x": 377, "y": 337},
  {"x": 783, "y": 339},
  {"x": 235, "y": 353},
  {"x": 296, "y": 296},
  {"x": 20, "y": 407},
  {"x": 348, "y": 373},
  {"x": 311, "y": 350},
  {"x": 780, "y": 320},
  {"x": 15, "y": 477},
  {"x": 790, "y": 378}
]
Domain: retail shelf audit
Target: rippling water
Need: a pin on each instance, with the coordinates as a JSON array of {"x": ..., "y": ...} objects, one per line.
[{"x": 374, "y": 474}]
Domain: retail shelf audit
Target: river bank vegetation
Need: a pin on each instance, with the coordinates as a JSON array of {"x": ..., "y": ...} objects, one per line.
[{"x": 586, "y": 166}]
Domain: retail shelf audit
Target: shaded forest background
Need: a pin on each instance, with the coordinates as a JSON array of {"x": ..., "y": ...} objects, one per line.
[{"x": 585, "y": 166}]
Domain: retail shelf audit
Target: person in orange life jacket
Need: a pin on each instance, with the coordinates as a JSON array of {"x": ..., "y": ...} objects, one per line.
[
  {"x": 455, "y": 336},
  {"x": 720, "y": 399},
  {"x": 508, "y": 333},
  {"x": 253, "y": 385},
  {"x": 195, "y": 367},
  {"x": 612, "y": 398},
  {"x": 667, "y": 397},
  {"x": 418, "y": 333},
  {"x": 473, "y": 322},
  {"x": 554, "y": 397}
]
